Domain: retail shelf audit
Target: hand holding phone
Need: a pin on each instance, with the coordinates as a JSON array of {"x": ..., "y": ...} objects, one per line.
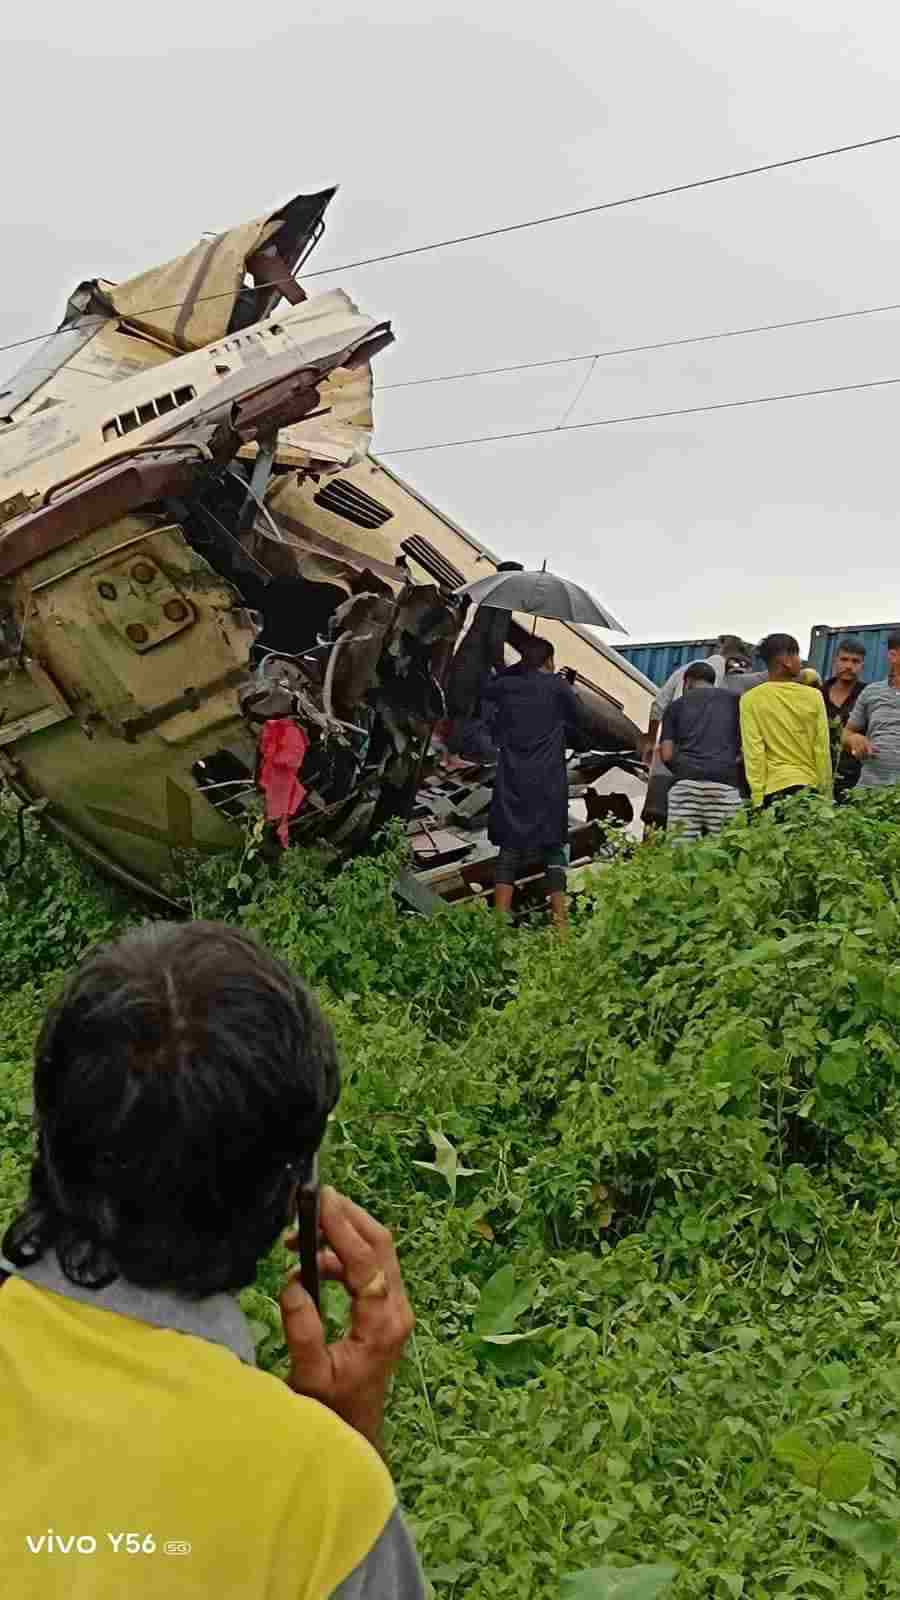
[{"x": 351, "y": 1374}]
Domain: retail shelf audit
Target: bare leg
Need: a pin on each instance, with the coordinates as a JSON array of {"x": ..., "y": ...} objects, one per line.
[
  {"x": 559, "y": 910},
  {"x": 503, "y": 898}
]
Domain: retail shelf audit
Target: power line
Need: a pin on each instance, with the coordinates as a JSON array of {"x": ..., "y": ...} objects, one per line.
[
  {"x": 641, "y": 349},
  {"x": 146, "y": 311},
  {"x": 609, "y": 205},
  {"x": 517, "y": 227},
  {"x": 642, "y": 416}
]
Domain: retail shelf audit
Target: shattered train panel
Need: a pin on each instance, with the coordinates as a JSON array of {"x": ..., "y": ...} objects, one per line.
[{"x": 205, "y": 576}]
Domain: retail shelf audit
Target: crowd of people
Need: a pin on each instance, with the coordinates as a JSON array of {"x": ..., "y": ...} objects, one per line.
[{"x": 721, "y": 734}]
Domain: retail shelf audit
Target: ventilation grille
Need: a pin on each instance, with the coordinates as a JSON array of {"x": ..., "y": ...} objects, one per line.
[
  {"x": 442, "y": 570},
  {"x": 238, "y": 340},
  {"x": 345, "y": 500},
  {"x": 148, "y": 411}
]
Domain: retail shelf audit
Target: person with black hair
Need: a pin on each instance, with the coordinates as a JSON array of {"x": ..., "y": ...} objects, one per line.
[
  {"x": 701, "y": 746},
  {"x": 659, "y": 784},
  {"x": 784, "y": 729},
  {"x": 182, "y": 1086},
  {"x": 535, "y": 713},
  {"x": 841, "y": 692},
  {"x": 872, "y": 734}
]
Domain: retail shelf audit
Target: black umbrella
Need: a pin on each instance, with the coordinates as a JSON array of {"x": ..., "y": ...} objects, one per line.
[{"x": 540, "y": 594}]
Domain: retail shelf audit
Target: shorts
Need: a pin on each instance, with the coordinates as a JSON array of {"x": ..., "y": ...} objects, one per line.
[
  {"x": 512, "y": 864},
  {"x": 697, "y": 808}
]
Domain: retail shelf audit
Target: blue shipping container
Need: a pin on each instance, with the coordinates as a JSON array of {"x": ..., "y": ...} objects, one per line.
[
  {"x": 659, "y": 661},
  {"x": 824, "y": 642}
]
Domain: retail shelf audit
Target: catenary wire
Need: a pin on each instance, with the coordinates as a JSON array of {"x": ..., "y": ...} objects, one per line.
[
  {"x": 641, "y": 416},
  {"x": 145, "y": 311},
  {"x": 643, "y": 349},
  {"x": 518, "y": 227},
  {"x": 609, "y": 205}
]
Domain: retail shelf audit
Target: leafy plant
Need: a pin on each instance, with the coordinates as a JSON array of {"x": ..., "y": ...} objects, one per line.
[
  {"x": 645, "y": 1189},
  {"x": 618, "y": 1583},
  {"x": 836, "y": 1472},
  {"x": 446, "y": 1162},
  {"x": 876, "y": 1542}
]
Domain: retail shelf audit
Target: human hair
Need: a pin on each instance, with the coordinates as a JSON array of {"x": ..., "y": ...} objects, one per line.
[
  {"x": 536, "y": 653},
  {"x": 729, "y": 645},
  {"x": 894, "y": 639},
  {"x": 182, "y": 1085},
  {"x": 851, "y": 647},
  {"x": 778, "y": 644},
  {"x": 699, "y": 672}
]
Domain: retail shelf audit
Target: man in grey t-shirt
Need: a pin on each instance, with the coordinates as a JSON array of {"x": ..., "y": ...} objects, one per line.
[{"x": 872, "y": 733}]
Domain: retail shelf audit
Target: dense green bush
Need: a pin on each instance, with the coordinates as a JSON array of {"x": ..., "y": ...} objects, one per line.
[
  {"x": 52, "y": 907},
  {"x": 344, "y": 930},
  {"x": 644, "y": 1185}
]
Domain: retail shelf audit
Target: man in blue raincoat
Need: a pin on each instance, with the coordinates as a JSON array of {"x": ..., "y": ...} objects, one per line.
[{"x": 535, "y": 715}]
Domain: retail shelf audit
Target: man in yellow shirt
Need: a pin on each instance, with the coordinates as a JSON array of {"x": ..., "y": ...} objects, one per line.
[
  {"x": 784, "y": 728},
  {"x": 182, "y": 1086}
]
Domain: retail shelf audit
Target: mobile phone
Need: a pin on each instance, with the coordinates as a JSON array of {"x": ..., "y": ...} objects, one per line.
[{"x": 308, "y": 1231}]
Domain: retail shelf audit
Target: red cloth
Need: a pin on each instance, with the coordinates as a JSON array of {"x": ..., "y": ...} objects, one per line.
[{"x": 283, "y": 747}]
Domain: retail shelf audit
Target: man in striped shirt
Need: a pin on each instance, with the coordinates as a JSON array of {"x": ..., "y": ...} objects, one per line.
[{"x": 701, "y": 747}]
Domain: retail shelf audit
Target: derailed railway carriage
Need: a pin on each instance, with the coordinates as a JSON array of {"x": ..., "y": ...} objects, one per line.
[{"x": 209, "y": 587}]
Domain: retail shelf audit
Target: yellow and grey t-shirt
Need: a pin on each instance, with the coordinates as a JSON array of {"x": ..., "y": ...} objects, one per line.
[{"x": 146, "y": 1456}]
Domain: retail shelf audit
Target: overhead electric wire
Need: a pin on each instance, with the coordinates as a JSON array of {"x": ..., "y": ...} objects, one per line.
[
  {"x": 642, "y": 349},
  {"x": 145, "y": 311},
  {"x": 609, "y": 205},
  {"x": 517, "y": 227},
  {"x": 641, "y": 416}
]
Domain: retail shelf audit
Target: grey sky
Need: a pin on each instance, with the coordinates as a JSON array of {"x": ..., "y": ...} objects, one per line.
[{"x": 130, "y": 132}]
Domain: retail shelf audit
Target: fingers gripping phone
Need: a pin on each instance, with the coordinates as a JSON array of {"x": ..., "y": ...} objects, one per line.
[{"x": 308, "y": 1231}]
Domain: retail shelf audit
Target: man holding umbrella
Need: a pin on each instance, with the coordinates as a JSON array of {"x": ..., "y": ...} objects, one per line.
[{"x": 536, "y": 714}]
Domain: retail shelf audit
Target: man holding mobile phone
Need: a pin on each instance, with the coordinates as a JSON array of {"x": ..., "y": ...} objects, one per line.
[{"x": 182, "y": 1086}]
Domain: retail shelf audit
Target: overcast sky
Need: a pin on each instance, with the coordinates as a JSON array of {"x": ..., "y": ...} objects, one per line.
[{"x": 129, "y": 132}]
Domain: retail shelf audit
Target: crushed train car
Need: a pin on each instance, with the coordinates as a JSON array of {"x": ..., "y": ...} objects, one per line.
[{"x": 185, "y": 620}]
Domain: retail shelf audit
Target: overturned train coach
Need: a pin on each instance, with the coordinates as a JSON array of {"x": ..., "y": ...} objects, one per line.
[{"x": 207, "y": 584}]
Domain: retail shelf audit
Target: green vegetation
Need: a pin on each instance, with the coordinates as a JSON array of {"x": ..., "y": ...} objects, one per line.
[{"x": 644, "y": 1186}]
